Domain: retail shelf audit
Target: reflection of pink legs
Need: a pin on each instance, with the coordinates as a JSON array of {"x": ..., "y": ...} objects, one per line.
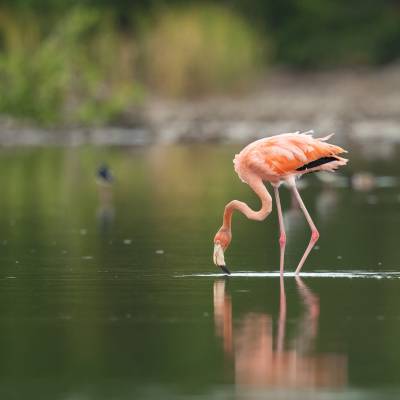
[
  {"x": 311, "y": 302},
  {"x": 282, "y": 237},
  {"x": 314, "y": 230},
  {"x": 282, "y": 318},
  {"x": 310, "y": 299},
  {"x": 260, "y": 363}
]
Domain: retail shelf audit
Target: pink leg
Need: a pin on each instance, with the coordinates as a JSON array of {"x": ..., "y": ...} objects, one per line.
[
  {"x": 282, "y": 237},
  {"x": 314, "y": 230}
]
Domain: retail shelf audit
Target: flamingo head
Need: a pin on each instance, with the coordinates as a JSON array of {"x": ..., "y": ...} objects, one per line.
[{"x": 221, "y": 242}]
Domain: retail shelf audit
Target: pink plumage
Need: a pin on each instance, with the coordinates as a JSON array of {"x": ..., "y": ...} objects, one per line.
[{"x": 277, "y": 159}]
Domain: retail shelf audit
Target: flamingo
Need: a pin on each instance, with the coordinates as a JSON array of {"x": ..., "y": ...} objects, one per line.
[{"x": 277, "y": 159}]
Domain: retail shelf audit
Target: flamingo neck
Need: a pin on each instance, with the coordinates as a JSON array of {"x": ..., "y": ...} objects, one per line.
[{"x": 259, "y": 188}]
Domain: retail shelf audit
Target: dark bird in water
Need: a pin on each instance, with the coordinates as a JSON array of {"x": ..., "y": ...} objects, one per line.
[{"x": 104, "y": 174}]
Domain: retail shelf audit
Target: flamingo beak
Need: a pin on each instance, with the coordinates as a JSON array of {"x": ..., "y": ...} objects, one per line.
[{"x": 219, "y": 259}]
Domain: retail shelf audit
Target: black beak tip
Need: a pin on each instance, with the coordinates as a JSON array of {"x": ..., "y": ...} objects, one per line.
[{"x": 225, "y": 269}]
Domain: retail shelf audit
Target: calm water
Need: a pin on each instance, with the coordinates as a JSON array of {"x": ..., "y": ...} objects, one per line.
[{"x": 110, "y": 292}]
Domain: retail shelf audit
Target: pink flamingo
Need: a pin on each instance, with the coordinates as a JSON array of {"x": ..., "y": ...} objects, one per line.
[{"x": 277, "y": 159}]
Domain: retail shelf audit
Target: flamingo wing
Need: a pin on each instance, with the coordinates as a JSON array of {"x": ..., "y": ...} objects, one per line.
[{"x": 290, "y": 153}]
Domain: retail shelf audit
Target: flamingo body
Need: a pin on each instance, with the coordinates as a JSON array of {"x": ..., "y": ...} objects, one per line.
[{"x": 276, "y": 159}]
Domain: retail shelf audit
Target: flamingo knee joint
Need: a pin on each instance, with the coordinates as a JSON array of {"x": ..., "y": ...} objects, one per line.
[
  {"x": 315, "y": 236},
  {"x": 282, "y": 240}
]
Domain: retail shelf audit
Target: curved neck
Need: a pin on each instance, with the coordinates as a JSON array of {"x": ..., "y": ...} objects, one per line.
[{"x": 259, "y": 188}]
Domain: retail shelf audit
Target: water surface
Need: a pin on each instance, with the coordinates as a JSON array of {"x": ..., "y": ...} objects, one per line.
[{"x": 109, "y": 292}]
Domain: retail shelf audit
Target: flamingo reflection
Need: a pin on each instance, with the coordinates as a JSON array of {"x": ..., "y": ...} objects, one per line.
[{"x": 260, "y": 360}]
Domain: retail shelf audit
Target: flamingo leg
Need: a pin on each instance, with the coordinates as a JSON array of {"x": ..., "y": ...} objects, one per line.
[
  {"x": 314, "y": 230},
  {"x": 282, "y": 237}
]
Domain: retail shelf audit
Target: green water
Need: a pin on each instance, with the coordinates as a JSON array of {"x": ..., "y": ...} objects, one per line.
[{"x": 101, "y": 298}]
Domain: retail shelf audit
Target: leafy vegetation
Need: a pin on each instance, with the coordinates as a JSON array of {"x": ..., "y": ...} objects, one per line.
[
  {"x": 80, "y": 71},
  {"x": 189, "y": 51},
  {"x": 89, "y": 62}
]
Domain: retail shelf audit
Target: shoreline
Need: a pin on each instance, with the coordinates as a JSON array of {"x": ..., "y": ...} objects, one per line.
[{"x": 358, "y": 106}]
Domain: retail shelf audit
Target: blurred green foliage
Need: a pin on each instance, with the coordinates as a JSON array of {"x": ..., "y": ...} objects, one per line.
[
  {"x": 305, "y": 32},
  {"x": 195, "y": 50},
  {"x": 325, "y": 33},
  {"x": 89, "y": 61},
  {"x": 78, "y": 71}
]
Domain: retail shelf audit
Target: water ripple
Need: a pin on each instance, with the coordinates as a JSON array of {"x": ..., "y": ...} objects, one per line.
[{"x": 315, "y": 274}]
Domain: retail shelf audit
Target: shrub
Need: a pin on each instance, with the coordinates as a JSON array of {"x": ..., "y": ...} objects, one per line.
[
  {"x": 78, "y": 70},
  {"x": 192, "y": 50}
]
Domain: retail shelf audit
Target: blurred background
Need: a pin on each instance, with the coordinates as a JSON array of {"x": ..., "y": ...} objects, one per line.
[
  {"x": 167, "y": 71},
  {"x": 119, "y": 121}
]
